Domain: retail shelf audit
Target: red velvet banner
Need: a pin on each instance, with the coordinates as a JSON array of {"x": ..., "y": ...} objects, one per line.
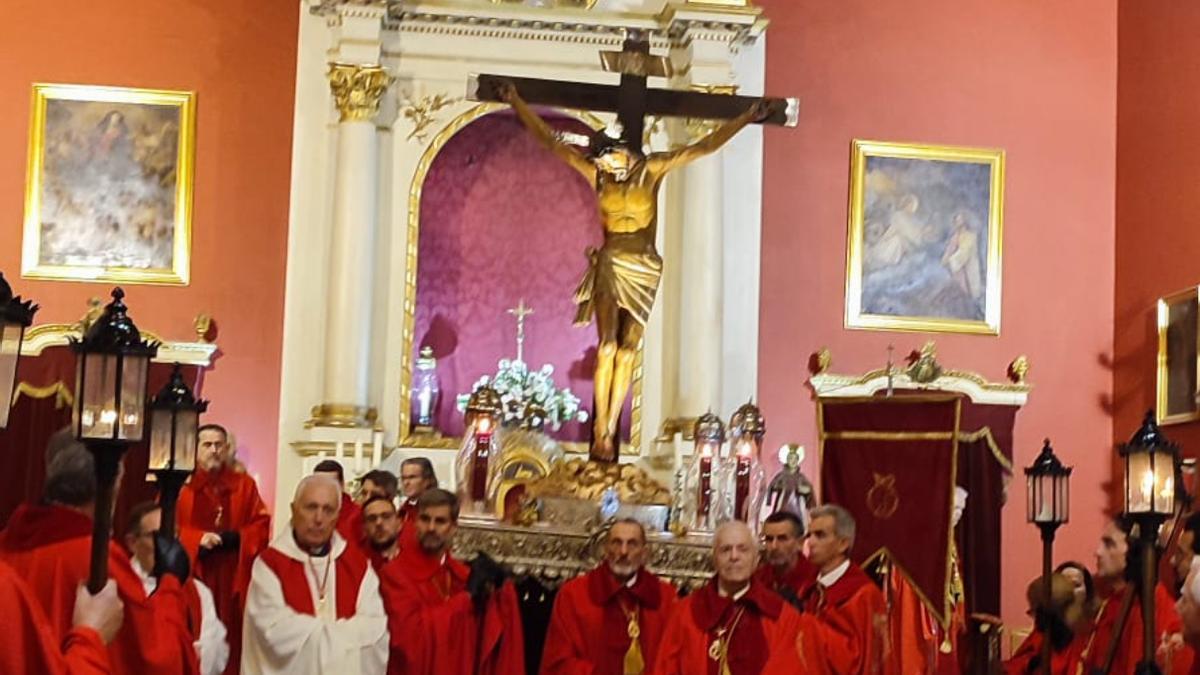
[
  {"x": 892, "y": 463},
  {"x": 45, "y": 392}
]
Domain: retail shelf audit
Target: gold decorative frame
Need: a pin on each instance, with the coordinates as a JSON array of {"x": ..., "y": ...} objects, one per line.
[
  {"x": 1166, "y": 370},
  {"x": 408, "y": 439},
  {"x": 855, "y": 317},
  {"x": 179, "y": 271}
]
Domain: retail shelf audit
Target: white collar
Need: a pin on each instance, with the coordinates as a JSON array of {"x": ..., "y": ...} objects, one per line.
[
  {"x": 286, "y": 544},
  {"x": 632, "y": 580},
  {"x": 832, "y": 576},
  {"x": 736, "y": 596},
  {"x": 149, "y": 582}
]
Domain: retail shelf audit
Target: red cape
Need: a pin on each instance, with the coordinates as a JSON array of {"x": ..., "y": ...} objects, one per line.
[
  {"x": 915, "y": 636},
  {"x": 588, "y": 632},
  {"x": 28, "y": 643},
  {"x": 350, "y": 521},
  {"x": 771, "y": 637},
  {"x": 435, "y": 629},
  {"x": 852, "y": 613},
  {"x": 50, "y": 547},
  {"x": 797, "y": 579},
  {"x": 1129, "y": 643},
  {"x": 1065, "y": 662},
  {"x": 408, "y": 525},
  {"x": 220, "y": 501}
]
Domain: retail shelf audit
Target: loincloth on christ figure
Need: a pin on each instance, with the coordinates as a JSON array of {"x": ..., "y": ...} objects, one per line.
[{"x": 623, "y": 269}]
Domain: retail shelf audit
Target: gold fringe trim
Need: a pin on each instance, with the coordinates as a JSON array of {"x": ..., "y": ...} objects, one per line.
[{"x": 64, "y": 397}]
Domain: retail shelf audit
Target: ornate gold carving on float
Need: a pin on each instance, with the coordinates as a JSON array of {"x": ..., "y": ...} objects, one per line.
[{"x": 579, "y": 479}]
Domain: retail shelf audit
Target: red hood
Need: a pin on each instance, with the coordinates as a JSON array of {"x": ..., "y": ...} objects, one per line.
[{"x": 36, "y": 525}]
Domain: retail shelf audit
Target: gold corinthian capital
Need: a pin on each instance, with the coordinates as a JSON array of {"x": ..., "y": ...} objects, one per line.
[{"x": 357, "y": 89}]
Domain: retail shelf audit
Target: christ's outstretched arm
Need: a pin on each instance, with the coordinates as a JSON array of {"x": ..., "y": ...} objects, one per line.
[{"x": 544, "y": 134}]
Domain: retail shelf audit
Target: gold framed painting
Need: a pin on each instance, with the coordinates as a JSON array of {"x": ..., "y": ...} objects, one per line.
[
  {"x": 109, "y": 190},
  {"x": 924, "y": 240},
  {"x": 1178, "y": 348}
]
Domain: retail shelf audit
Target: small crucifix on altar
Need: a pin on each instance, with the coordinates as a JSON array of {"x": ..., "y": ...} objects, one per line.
[
  {"x": 520, "y": 311},
  {"x": 620, "y": 285}
]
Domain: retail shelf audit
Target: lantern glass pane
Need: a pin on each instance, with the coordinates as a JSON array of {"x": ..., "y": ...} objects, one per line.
[
  {"x": 133, "y": 397},
  {"x": 98, "y": 398},
  {"x": 1063, "y": 498},
  {"x": 160, "y": 440},
  {"x": 1164, "y": 483},
  {"x": 1030, "y": 501},
  {"x": 10, "y": 350},
  {"x": 186, "y": 422},
  {"x": 1139, "y": 482}
]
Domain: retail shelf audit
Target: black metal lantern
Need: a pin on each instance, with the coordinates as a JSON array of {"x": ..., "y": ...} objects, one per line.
[
  {"x": 15, "y": 316},
  {"x": 112, "y": 364},
  {"x": 1150, "y": 467},
  {"x": 174, "y": 419},
  {"x": 1047, "y": 489}
]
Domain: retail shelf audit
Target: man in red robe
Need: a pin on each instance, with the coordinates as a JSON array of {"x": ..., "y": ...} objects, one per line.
[
  {"x": 849, "y": 606},
  {"x": 382, "y": 525},
  {"x": 28, "y": 644},
  {"x": 378, "y": 483},
  {"x": 209, "y": 635},
  {"x": 314, "y": 606},
  {"x": 1062, "y": 618},
  {"x": 49, "y": 546},
  {"x": 1114, "y": 570},
  {"x": 734, "y": 625},
  {"x": 350, "y": 517},
  {"x": 447, "y": 618},
  {"x": 223, "y": 524},
  {"x": 416, "y": 476},
  {"x": 784, "y": 569},
  {"x": 610, "y": 620}
]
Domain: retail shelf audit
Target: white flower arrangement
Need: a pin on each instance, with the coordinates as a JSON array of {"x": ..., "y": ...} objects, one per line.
[{"x": 520, "y": 389}]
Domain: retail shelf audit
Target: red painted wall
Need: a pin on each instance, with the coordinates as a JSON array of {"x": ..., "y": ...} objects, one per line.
[
  {"x": 1158, "y": 248},
  {"x": 1037, "y": 79},
  {"x": 240, "y": 58}
]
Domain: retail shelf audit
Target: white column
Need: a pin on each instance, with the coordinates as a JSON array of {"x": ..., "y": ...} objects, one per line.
[
  {"x": 345, "y": 402},
  {"x": 701, "y": 288}
]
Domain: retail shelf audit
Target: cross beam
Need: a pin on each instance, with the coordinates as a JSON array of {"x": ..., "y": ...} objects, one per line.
[{"x": 632, "y": 100}]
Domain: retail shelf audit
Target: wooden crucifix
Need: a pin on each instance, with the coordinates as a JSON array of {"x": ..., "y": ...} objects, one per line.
[{"x": 623, "y": 275}]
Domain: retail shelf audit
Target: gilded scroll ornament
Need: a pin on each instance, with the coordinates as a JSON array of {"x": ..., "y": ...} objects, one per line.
[
  {"x": 1019, "y": 369},
  {"x": 357, "y": 89}
]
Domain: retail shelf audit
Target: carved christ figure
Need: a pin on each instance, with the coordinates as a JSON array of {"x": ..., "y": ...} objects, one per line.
[{"x": 623, "y": 274}]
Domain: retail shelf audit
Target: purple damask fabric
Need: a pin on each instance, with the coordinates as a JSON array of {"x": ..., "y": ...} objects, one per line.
[{"x": 504, "y": 219}]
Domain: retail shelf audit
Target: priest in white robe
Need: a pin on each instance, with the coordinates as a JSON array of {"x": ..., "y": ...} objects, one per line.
[{"x": 314, "y": 606}]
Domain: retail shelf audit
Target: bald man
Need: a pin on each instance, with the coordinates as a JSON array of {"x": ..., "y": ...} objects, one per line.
[
  {"x": 610, "y": 620},
  {"x": 314, "y": 606},
  {"x": 735, "y": 625}
]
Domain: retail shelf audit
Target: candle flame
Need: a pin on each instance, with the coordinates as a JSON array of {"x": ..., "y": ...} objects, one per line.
[
  {"x": 1147, "y": 486},
  {"x": 108, "y": 416},
  {"x": 483, "y": 425}
]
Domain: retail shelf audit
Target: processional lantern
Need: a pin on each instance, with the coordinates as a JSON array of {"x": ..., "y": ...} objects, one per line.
[
  {"x": 1047, "y": 505},
  {"x": 174, "y": 420},
  {"x": 15, "y": 316},
  {"x": 1151, "y": 467},
  {"x": 484, "y": 410},
  {"x": 1047, "y": 489},
  {"x": 112, "y": 364},
  {"x": 708, "y": 435},
  {"x": 746, "y": 429}
]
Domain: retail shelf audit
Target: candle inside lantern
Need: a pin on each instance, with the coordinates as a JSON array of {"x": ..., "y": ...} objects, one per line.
[
  {"x": 1148, "y": 488},
  {"x": 479, "y": 464},
  {"x": 703, "y": 498},
  {"x": 745, "y": 453}
]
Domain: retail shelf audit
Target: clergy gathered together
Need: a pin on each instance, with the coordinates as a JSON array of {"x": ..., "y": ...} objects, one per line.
[{"x": 381, "y": 591}]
